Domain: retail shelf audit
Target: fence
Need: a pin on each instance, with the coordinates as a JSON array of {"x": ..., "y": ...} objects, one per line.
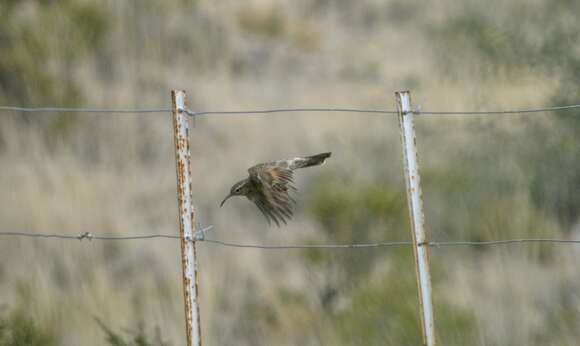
[{"x": 190, "y": 235}]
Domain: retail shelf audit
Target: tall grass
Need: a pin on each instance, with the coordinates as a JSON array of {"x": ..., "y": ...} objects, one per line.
[{"x": 484, "y": 178}]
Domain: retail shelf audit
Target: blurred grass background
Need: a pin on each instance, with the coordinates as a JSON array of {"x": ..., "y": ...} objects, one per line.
[{"x": 484, "y": 178}]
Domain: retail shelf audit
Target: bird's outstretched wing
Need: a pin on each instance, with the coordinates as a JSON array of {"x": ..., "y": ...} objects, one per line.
[
  {"x": 298, "y": 162},
  {"x": 272, "y": 194}
]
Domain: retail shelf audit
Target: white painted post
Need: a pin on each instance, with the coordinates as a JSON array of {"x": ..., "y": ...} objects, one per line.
[
  {"x": 420, "y": 243},
  {"x": 186, "y": 218}
]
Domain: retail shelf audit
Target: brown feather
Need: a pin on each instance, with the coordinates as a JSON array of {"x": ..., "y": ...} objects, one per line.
[{"x": 269, "y": 185}]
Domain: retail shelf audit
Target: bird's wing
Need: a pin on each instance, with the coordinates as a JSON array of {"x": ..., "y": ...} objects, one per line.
[
  {"x": 272, "y": 197},
  {"x": 267, "y": 214},
  {"x": 299, "y": 162},
  {"x": 270, "y": 175},
  {"x": 277, "y": 212}
]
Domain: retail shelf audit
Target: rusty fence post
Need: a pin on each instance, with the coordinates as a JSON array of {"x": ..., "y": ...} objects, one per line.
[
  {"x": 186, "y": 218},
  {"x": 417, "y": 218}
]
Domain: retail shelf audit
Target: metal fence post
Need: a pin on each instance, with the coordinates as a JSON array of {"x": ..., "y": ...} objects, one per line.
[
  {"x": 420, "y": 243},
  {"x": 186, "y": 218}
]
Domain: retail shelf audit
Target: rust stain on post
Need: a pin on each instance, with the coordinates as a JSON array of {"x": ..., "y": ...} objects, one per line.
[
  {"x": 415, "y": 202},
  {"x": 186, "y": 218}
]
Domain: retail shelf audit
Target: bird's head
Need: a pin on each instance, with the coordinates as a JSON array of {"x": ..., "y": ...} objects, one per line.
[{"x": 241, "y": 188}]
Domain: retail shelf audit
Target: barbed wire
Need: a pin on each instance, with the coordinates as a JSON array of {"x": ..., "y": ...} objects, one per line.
[
  {"x": 200, "y": 236},
  {"x": 434, "y": 244},
  {"x": 88, "y": 236},
  {"x": 279, "y": 110},
  {"x": 307, "y": 246}
]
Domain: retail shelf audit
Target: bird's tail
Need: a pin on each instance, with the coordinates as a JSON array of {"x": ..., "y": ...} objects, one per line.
[{"x": 314, "y": 160}]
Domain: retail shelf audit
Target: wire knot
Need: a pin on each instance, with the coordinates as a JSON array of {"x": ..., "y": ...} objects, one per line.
[
  {"x": 417, "y": 110},
  {"x": 85, "y": 235},
  {"x": 187, "y": 111},
  {"x": 199, "y": 235}
]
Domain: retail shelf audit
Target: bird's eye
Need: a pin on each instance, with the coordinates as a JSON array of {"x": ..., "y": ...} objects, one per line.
[{"x": 238, "y": 189}]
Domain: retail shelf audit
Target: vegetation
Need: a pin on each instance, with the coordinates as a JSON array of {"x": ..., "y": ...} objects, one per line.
[
  {"x": 512, "y": 42},
  {"x": 139, "y": 337},
  {"x": 382, "y": 305},
  {"x": 18, "y": 329},
  {"x": 483, "y": 178}
]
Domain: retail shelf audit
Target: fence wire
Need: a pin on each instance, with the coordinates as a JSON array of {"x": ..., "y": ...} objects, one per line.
[
  {"x": 514, "y": 111},
  {"x": 201, "y": 238},
  {"x": 198, "y": 237},
  {"x": 288, "y": 110},
  {"x": 278, "y": 110},
  {"x": 87, "y": 235},
  {"x": 81, "y": 110}
]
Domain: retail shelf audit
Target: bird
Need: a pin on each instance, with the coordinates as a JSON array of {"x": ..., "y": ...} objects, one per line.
[{"x": 269, "y": 184}]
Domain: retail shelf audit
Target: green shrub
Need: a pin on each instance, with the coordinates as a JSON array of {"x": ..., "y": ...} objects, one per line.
[
  {"x": 19, "y": 329},
  {"x": 138, "y": 337}
]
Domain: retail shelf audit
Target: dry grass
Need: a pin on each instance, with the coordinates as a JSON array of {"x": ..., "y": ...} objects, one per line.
[{"x": 115, "y": 174}]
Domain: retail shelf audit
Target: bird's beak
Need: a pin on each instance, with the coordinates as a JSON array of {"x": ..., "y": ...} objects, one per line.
[{"x": 225, "y": 199}]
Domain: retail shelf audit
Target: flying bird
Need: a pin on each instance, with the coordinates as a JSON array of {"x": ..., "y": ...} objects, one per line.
[{"x": 269, "y": 184}]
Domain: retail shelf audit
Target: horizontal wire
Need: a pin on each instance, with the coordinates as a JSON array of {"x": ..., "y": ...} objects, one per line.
[
  {"x": 147, "y": 236},
  {"x": 502, "y": 242},
  {"x": 515, "y": 111},
  {"x": 388, "y": 244},
  {"x": 83, "y": 110},
  {"x": 308, "y": 246},
  {"x": 382, "y": 111},
  {"x": 88, "y": 235},
  {"x": 435, "y": 244},
  {"x": 287, "y": 110},
  {"x": 279, "y": 110}
]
